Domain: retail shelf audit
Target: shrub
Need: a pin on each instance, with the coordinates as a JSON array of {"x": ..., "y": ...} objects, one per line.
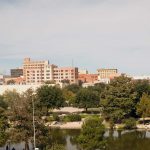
[
  {"x": 72, "y": 118},
  {"x": 56, "y": 117},
  {"x": 129, "y": 123}
]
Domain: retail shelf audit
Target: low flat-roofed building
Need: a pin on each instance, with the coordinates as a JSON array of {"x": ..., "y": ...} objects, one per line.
[{"x": 88, "y": 78}]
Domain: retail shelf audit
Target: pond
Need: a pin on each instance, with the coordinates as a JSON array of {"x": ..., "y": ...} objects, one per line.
[{"x": 117, "y": 140}]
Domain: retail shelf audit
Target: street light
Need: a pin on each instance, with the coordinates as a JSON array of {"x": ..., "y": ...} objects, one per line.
[{"x": 33, "y": 114}]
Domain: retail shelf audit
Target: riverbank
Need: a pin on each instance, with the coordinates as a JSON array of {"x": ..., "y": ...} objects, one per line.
[
  {"x": 78, "y": 125},
  {"x": 68, "y": 125}
]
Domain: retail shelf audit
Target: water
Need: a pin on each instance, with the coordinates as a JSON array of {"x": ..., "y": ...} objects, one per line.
[{"x": 117, "y": 140}]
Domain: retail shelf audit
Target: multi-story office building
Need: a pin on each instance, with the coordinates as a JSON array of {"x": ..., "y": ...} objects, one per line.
[
  {"x": 16, "y": 72},
  {"x": 36, "y": 72},
  {"x": 66, "y": 73},
  {"x": 107, "y": 73}
]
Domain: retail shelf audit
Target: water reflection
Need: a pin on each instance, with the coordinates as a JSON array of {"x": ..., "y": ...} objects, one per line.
[{"x": 116, "y": 140}]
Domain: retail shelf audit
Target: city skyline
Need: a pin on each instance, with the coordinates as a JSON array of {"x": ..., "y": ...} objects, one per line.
[{"x": 94, "y": 34}]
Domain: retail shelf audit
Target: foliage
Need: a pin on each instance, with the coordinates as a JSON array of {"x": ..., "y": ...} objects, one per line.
[
  {"x": 3, "y": 121},
  {"x": 72, "y": 118},
  {"x": 86, "y": 98},
  {"x": 141, "y": 87},
  {"x": 21, "y": 120},
  {"x": 10, "y": 97},
  {"x": 92, "y": 135},
  {"x": 50, "y": 82},
  {"x": 98, "y": 87},
  {"x": 73, "y": 88},
  {"x": 57, "y": 147},
  {"x": 3, "y": 138},
  {"x": 129, "y": 123},
  {"x": 69, "y": 97},
  {"x": 143, "y": 107},
  {"x": 49, "y": 97},
  {"x": 118, "y": 101},
  {"x": 65, "y": 81},
  {"x": 56, "y": 117}
]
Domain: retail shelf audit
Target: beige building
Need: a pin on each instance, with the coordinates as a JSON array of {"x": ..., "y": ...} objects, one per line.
[
  {"x": 36, "y": 72},
  {"x": 107, "y": 73},
  {"x": 66, "y": 73}
]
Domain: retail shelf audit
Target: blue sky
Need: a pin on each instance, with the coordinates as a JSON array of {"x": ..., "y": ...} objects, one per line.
[{"x": 94, "y": 33}]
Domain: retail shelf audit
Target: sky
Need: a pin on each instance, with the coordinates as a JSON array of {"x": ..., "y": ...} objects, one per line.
[{"x": 91, "y": 33}]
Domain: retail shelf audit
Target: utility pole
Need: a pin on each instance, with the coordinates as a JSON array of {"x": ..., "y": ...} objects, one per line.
[{"x": 34, "y": 144}]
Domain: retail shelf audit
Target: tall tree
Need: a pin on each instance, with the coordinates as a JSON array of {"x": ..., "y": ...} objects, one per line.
[
  {"x": 49, "y": 97},
  {"x": 92, "y": 135},
  {"x": 69, "y": 97},
  {"x": 3, "y": 121},
  {"x": 73, "y": 88},
  {"x": 143, "y": 107},
  {"x": 21, "y": 119},
  {"x": 99, "y": 87},
  {"x": 118, "y": 101},
  {"x": 87, "y": 99},
  {"x": 141, "y": 87}
]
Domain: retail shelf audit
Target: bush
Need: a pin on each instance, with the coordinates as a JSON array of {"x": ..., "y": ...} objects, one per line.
[
  {"x": 72, "y": 118},
  {"x": 129, "y": 123},
  {"x": 56, "y": 117}
]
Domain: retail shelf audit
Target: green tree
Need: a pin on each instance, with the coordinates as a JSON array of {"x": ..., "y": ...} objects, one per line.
[
  {"x": 118, "y": 101},
  {"x": 49, "y": 97},
  {"x": 57, "y": 147},
  {"x": 143, "y": 107},
  {"x": 3, "y": 121},
  {"x": 141, "y": 87},
  {"x": 21, "y": 119},
  {"x": 69, "y": 97},
  {"x": 73, "y": 88},
  {"x": 10, "y": 97},
  {"x": 92, "y": 135},
  {"x": 98, "y": 87},
  {"x": 86, "y": 98},
  {"x": 50, "y": 82}
]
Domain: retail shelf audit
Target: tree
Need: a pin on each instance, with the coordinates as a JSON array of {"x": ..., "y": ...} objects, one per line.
[
  {"x": 141, "y": 87},
  {"x": 49, "y": 97},
  {"x": 87, "y": 99},
  {"x": 143, "y": 107},
  {"x": 65, "y": 81},
  {"x": 21, "y": 118},
  {"x": 50, "y": 82},
  {"x": 69, "y": 96},
  {"x": 118, "y": 101},
  {"x": 11, "y": 82},
  {"x": 10, "y": 97},
  {"x": 3, "y": 121},
  {"x": 92, "y": 135},
  {"x": 98, "y": 87},
  {"x": 73, "y": 88}
]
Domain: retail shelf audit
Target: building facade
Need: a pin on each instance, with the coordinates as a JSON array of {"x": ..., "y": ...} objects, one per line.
[
  {"x": 69, "y": 74},
  {"x": 37, "y": 72},
  {"x": 16, "y": 72},
  {"x": 88, "y": 78},
  {"x": 107, "y": 73}
]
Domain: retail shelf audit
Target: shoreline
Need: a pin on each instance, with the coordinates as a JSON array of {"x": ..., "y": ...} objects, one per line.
[{"x": 78, "y": 125}]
